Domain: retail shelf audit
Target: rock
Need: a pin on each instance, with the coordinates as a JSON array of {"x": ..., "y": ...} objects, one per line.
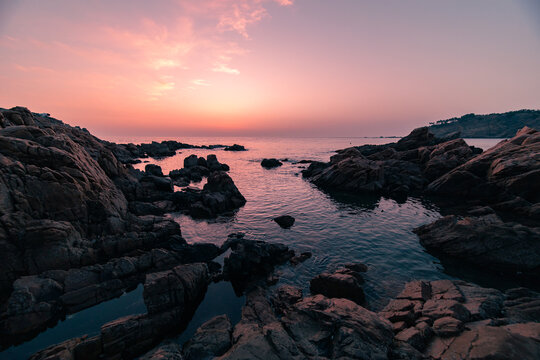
[
  {"x": 167, "y": 351},
  {"x": 180, "y": 287},
  {"x": 190, "y": 161},
  {"x": 285, "y": 221},
  {"x": 235, "y": 147},
  {"x": 511, "y": 168},
  {"x": 484, "y": 241},
  {"x": 343, "y": 283},
  {"x": 270, "y": 163},
  {"x": 215, "y": 165},
  {"x": 250, "y": 259},
  {"x": 396, "y": 169},
  {"x": 212, "y": 339},
  {"x": 314, "y": 327},
  {"x": 487, "y": 342},
  {"x": 152, "y": 169},
  {"x": 447, "y": 326}
]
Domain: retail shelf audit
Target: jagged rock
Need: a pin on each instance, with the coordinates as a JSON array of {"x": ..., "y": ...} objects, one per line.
[
  {"x": 285, "y": 221},
  {"x": 212, "y": 339},
  {"x": 396, "y": 169},
  {"x": 484, "y": 241},
  {"x": 270, "y": 163},
  {"x": 511, "y": 168}
]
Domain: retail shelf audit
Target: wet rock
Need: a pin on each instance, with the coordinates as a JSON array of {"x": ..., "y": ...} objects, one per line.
[
  {"x": 214, "y": 165},
  {"x": 484, "y": 241},
  {"x": 210, "y": 340},
  {"x": 285, "y": 221},
  {"x": 270, "y": 163},
  {"x": 235, "y": 147},
  {"x": 343, "y": 283}
]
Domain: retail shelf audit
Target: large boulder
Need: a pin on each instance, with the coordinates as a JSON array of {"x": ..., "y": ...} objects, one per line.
[
  {"x": 212, "y": 339},
  {"x": 343, "y": 283}
]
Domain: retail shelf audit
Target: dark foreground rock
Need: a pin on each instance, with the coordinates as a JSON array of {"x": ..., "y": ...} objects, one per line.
[
  {"x": 286, "y": 326},
  {"x": 170, "y": 296},
  {"x": 484, "y": 241},
  {"x": 213, "y": 338},
  {"x": 78, "y": 226},
  {"x": 270, "y": 163},
  {"x": 395, "y": 169},
  {"x": 285, "y": 221},
  {"x": 343, "y": 283}
]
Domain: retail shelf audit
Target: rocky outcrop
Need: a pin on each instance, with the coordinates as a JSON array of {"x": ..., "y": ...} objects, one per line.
[
  {"x": 484, "y": 241},
  {"x": 506, "y": 176},
  {"x": 129, "y": 153},
  {"x": 447, "y": 319},
  {"x": 285, "y": 221},
  {"x": 316, "y": 327},
  {"x": 344, "y": 283},
  {"x": 394, "y": 169},
  {"x": 270, "y": 163},
  {"x": 77, "y": 226}
]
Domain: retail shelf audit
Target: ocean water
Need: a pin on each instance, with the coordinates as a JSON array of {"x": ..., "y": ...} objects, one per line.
[{"x": 336, "y": 228}]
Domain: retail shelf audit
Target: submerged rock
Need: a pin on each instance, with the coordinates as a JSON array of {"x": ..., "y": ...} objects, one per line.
[{"x": 285, "y": 221}]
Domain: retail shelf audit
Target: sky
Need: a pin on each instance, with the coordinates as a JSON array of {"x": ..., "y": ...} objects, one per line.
[{"x": 268, "y": 67}]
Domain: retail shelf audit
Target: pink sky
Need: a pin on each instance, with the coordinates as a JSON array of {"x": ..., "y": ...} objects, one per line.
[{"x": 268, "y": 67}]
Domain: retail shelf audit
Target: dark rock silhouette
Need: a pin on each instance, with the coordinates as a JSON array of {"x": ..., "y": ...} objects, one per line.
[
  {"x": 285, "y": 221},
  {"x": 270, "y": 163},
  {"x": 235, "y": 147},
  {"x": 343, "y": 283}
]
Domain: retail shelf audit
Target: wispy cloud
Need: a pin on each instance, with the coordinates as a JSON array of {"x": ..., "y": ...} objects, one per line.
[{"x": 201, "y": 82}]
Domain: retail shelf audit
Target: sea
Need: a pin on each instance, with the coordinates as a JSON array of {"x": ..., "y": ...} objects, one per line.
[{"x": 336, "y": 228}]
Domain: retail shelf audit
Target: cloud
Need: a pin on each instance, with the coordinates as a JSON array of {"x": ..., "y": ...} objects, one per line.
[{"x": 200, "y": 82}]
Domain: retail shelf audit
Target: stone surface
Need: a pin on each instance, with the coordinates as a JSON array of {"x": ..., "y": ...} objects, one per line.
[
  {"x": 270, "y": 163},
  {"x": 343, "y": 283},
  {"x": 212, "y": 339}
]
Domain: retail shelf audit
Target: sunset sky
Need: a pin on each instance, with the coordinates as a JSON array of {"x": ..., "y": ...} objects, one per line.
[{"x": 268, "y": 67}]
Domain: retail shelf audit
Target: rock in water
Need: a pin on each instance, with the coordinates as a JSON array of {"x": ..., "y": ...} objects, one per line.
[
  {"x": 285, "y": 221},
  {"x": 343, "y": 283},
  {"x": 270, "y": 163},
  {"x": 484, "y": 241},
  {"x": 235, "y": 147}
]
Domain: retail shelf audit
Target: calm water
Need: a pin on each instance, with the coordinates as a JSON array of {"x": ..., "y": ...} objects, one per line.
[{"x": 336, "y": 228}]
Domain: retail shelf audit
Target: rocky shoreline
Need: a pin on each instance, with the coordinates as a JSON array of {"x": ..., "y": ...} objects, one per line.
[{"x": 79, "y": 226}]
